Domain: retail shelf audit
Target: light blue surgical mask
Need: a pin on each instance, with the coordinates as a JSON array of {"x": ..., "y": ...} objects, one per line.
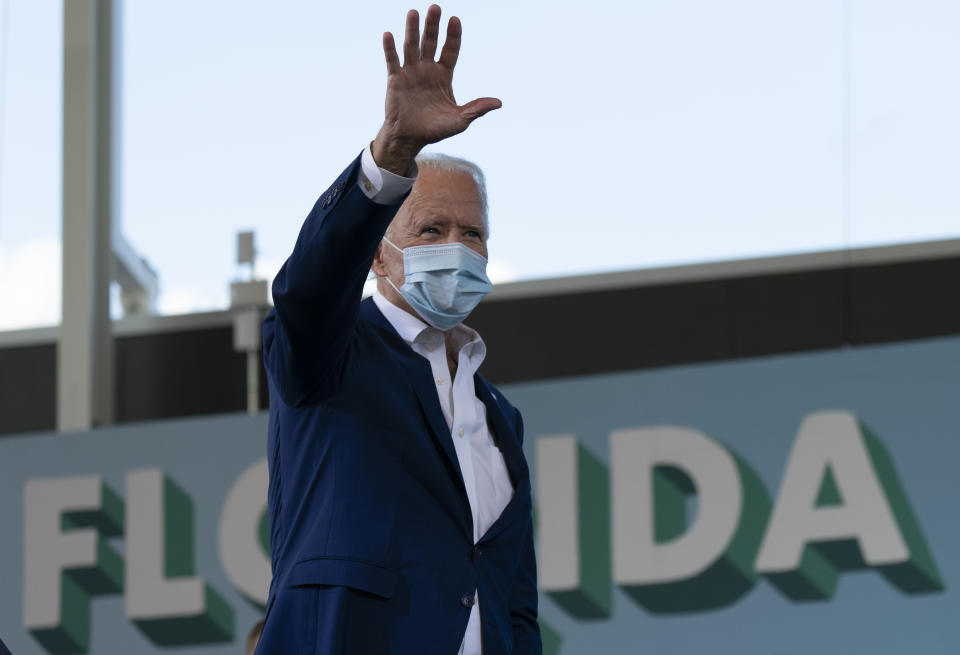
[{"x": 442, "y": 282}]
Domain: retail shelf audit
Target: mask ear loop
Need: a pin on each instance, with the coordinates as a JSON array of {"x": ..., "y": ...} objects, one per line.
[
  {"x": 393, "y": 244},
  {"x": 372, "y": 276},
  {"x": 390, "y": 282}
]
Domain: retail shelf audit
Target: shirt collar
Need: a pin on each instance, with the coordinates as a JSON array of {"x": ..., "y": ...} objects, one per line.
[{"x": 413, "y": 329}]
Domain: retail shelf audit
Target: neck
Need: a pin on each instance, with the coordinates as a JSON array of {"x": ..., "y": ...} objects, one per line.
[{"x": 452, "y": 355}]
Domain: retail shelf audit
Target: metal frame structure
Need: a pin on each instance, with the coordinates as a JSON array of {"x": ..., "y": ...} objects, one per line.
[{"x": 94, "y": 250}]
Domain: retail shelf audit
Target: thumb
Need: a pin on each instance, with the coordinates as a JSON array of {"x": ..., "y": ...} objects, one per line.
[{"x": 477, "y": 108}]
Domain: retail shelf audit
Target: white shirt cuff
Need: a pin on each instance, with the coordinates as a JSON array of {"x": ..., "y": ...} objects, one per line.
[{"x": 379, "y": 184}]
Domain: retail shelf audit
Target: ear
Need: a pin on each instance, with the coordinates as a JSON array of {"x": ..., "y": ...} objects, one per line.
[{"x": 379, "y": 269}]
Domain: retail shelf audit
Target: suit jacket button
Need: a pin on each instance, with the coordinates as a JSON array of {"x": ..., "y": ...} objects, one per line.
[
  {"x": 477, "y": 552},
  {"x": 467, "y": 600}
]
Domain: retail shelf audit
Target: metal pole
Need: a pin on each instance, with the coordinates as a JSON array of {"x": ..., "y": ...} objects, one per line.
[
  {"x": 253, "y": 382},
  {"x": 85, "y": 347}
]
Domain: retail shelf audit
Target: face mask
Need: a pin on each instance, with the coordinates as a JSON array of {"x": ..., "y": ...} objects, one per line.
[{"x": 443, "y": 282}]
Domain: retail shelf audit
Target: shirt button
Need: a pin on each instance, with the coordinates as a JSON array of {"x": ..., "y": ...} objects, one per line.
[
  {"x": 440, "y": 382},
  {"x": 466, "y": 600},
  {"x": 460, "y": 432}
]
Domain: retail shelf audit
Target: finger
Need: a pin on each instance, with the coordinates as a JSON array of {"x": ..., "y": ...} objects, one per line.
[
  {"x": 390, "y": 52},
  {"x": 451, "y": 47},
  {"x": 477, "y": 108},
  {"x": 431, "y": 32},
  {"x": 411, "y": 41}
]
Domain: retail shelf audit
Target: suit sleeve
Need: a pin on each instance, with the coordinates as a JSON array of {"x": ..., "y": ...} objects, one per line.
[
  {"x": 317, "y": 292},
  {"x": 523, "y": 599}
]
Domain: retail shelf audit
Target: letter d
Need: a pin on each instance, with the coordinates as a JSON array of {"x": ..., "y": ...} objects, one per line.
[{"x": 660, "y": 561}]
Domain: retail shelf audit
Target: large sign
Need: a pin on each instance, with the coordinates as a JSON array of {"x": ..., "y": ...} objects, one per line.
[{"x": 801, "y": 503}]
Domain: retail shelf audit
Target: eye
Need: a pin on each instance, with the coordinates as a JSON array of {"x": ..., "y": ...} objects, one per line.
[{"x": 429, "y": 230}]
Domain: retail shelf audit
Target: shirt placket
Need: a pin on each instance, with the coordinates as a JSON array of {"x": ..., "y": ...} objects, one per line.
[{"x": 462, "y": 420}]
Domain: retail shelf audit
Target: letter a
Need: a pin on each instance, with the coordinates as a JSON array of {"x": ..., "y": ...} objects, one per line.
[{"x": 841, "y": 507}]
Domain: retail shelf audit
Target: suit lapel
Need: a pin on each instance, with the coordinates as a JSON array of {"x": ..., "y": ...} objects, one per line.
[{"x": 421, "y": 379}]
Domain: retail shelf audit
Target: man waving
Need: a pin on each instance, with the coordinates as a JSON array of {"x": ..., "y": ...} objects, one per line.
[{"x": 399, "y": 497}]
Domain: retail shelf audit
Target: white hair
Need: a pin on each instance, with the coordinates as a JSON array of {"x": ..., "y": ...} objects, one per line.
[{"x": 450, "y": 164}]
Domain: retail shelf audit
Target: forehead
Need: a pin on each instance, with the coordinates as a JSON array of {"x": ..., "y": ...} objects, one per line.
[{"x": 440, "y": 195}]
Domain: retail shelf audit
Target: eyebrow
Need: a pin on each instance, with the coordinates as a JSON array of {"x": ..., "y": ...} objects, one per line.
[{"x": 420, "y": 223}]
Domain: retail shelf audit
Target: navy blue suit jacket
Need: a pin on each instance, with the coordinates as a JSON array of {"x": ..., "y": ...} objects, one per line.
[{"x": 370, "y": 527}]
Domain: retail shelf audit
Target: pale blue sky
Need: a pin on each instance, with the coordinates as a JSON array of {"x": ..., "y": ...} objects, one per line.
[{"x": 633, "y": 134}]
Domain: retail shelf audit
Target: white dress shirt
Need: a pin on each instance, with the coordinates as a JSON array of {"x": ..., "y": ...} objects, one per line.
[{"x": 485, "y": 475}]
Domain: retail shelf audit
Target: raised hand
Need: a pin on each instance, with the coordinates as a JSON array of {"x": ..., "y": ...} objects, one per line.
[{"x": 420, "y": 106}]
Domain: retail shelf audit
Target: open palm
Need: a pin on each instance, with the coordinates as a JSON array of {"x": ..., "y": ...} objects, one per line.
[{"x": 420, "y": 106}]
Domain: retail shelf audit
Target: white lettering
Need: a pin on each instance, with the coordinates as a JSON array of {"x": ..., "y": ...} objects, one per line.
[
  {"x": 634, "y": 454},
  {"x": 830, "y": 441}
]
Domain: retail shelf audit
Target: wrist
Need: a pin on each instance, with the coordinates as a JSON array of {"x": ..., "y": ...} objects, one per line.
[{"x": 392, "y": 153}]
